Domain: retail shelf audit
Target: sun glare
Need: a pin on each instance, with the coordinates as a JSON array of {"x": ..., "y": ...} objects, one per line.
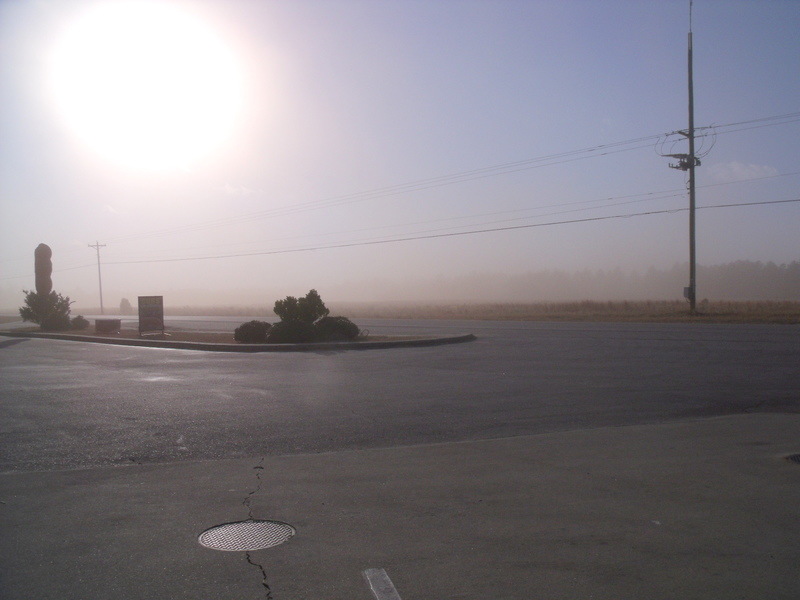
[{"x": 146, "y": 85}]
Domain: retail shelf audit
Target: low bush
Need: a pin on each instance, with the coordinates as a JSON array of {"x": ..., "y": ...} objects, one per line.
[
  {"x": 55, "y": 323},
  {"x": 291, "y": 332},
  {"x": 252, "y": 332},
  {"x": 79, "y": 323},
  {"x": 336, "y": 329}
]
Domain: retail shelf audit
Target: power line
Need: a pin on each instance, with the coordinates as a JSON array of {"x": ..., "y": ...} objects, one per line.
[
  {"x": 458, "y": 177},
  {"x": 465, "y": 176},
  {"x": 749, "y": 203},
  {"x": 446, "y": 235},
  {"x": 386, "y": 192},
  {"x": 606, "y": 203},
  {"x": 794, "y": 116},
  {"x": 647, "y": 196},
  {"x": 431, "y": 234},
  {"x": 453, "y": 178},
  {"x": 54, "y": 271}
]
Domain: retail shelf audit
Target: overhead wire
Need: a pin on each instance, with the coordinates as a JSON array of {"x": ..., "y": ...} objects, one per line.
[
  {"x": 379, "y": 193},
  {"x": 439, "y": 181},
  {"x": 623, "y": 200},
  {"x": 793, "y": 115},
  {"x": 600, "y": 203},
  {"x": 449, "y": 234},
  {"x": 459, "y": 177},
  {"x": 464, "y": 176},
  {"x": 646, "y": 196}
]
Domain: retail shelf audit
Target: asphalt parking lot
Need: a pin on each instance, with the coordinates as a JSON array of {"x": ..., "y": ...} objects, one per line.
[{"x": 539, "y": 461}]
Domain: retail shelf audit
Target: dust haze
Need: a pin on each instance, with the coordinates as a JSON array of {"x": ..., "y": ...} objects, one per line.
[{"x": 739, "y": 281}]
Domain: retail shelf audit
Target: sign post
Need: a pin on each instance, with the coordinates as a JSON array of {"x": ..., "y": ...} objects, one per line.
[{"x": 151, "y": 314}]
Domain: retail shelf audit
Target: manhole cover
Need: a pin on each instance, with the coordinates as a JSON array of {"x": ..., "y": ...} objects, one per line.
[
  {"x": 243, "y": 536},
  {"x": 795, "y": 458}
]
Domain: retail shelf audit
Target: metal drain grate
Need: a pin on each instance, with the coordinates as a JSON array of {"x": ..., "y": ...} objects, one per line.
[
  {"x": 244, "y": 536},
  {"x": 795, "y": 458}
]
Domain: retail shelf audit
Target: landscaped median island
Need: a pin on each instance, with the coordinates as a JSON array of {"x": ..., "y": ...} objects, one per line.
[
  {"x": 302, "y": 321},
  {"x": 304, "y": 324},
  {"x": 339, "y": 333},
  {"x": 224, "y": 342}
]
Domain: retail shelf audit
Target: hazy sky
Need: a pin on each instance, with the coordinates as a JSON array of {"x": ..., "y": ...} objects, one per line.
[{"x": 300, "y": 132}]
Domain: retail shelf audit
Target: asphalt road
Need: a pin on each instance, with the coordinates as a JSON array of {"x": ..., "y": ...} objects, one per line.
[
  {"x": 67, "y": 404},
  {"x": 554, "y": 461}
]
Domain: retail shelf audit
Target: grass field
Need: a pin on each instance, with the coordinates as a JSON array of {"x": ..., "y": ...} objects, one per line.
[
  {"x": 655, "y": 311},
  {"x": 646, "y": 312},
  {"x": 709, "y": 312}
]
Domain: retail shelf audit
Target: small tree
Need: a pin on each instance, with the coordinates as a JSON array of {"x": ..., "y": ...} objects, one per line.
[
  {"x": 125, "y": 307},
  {"x": 306, "y": 310},
  {"x": 287, "y": 309},
  {"x": 49, "y": 311}
]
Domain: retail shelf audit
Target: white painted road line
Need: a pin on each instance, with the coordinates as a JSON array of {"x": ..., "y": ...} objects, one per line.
[{"x": 380, "y": 584}]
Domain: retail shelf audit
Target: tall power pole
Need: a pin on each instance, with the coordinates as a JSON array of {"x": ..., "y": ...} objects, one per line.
[
  {"x": 688, "y": 162},
  {"x": 693, "y": 162},
  {"x": 97, "y": 246}
]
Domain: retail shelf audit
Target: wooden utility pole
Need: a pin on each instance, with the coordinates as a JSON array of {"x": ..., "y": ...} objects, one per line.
[
  {"x": 97, "y": 246},
  {"x": 688, "y": 162},
  {"x": 693, "y": 162}
]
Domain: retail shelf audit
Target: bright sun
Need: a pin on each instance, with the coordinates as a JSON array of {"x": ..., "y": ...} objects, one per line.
[{"x": 146, "y": 85}]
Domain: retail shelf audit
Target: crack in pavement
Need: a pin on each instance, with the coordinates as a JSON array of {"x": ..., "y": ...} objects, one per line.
[
  {"x": 248, "y": 500},
  {"x": 248, "y": 503},
  {"x": 267, "y": 589}
]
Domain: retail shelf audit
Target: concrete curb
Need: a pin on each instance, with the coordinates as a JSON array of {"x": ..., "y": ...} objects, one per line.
[{"x": 210, "y": 347}]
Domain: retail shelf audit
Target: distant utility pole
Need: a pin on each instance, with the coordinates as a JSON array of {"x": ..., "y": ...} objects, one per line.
[
  {"x": 688, "y": 162},
  {"x": 97, "y": 246}
]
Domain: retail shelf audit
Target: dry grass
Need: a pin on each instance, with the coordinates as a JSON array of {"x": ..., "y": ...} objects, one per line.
[
  {"x": 620, "y": 311},
  {"x": 654, "y": 311}
]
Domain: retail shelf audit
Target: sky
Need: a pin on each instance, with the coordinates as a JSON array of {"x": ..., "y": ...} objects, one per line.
[{"x": 237, "y": 152}]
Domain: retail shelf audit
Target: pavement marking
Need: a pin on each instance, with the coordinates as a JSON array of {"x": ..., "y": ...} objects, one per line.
[{"x": 380, "y": 584}]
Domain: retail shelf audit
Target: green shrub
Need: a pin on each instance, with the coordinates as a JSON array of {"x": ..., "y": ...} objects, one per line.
[
  {"x": 306, "y": 310},
  {"x": 79, "y": 323},
  {"x": 336, "y": 329},
  {"x": 252, "y": 332},
  {"x": 55, "y": 323},
  {"x": 49, "y": 311},
  {"x": 287, "y": 309},
  {"x": 291, "y": 332},
  {"x": 306, "y": 320}
]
